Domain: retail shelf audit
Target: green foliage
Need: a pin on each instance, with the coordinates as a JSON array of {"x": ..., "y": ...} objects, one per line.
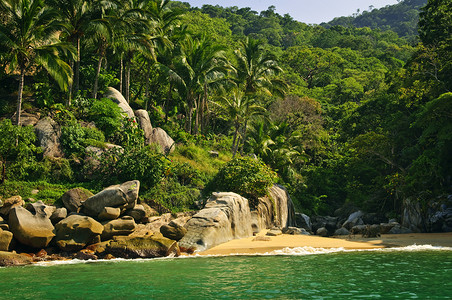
[
  {"x": 107, "y": 116},
  {"x": 246, "y": 176},
  {"x": 75, "y": 138}
]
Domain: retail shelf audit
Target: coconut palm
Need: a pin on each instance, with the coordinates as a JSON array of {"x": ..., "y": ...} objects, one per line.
[{"x": 30, "y": 36}]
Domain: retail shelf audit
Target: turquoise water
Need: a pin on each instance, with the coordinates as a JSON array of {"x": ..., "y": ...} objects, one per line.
[{"x": 342, "y": 275}]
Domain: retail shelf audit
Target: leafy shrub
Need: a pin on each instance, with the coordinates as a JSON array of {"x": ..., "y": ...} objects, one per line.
[
  {"x": 246, "y": 176},
  {"x": 185, "y": 174},
  {"x": 75, "y": 138},
  {"x": 107, "y": 116}
]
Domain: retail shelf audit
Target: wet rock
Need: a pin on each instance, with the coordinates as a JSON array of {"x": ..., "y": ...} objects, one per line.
[
  {"x": 34, "y": 230},
  {"x": 13, "y": 259},
  {"x": 10, "y": 203},
  {"x": 143, "y": 247},
  {"x": 5, "y": 239},
  {"x": 123, "y": 226},
  {"x": 85, "y": 254},
  {"x": 123, "y": 196},
  {"x": 76, "y": 231},
  {"x": 74, "y": 198}
]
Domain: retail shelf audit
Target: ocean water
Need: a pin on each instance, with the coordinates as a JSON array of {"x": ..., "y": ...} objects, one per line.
[{"x": 420, "y": 272}]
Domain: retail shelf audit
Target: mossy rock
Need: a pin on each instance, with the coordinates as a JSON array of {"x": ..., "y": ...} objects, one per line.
[{"x": 143, "y": 247}]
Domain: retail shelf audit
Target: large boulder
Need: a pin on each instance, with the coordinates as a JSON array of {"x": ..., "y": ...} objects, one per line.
[
  {"x": 275, "y": 210},
  {"x": 76, "y": 231},
  {"x": 5, "y": 239},
  {"x": 159, "y": 137},
  {"x": 74, "y": 198},
  {"x": 145, "y": 123},
  {"x": 58, "y": 215},
  {"x": 10, "y": 203},
  {"x": 226, "y": 216},
  {"x": 142, "y": 247},
  {"x": 173, "y": 231},
  {"x": 31, "y": 229},
  {"x": 40, "y": 208},
  {"x": 123, "y": 196},
  {"x": 109, "y": 213},
  {"x": 303, "y": 221},
  {"x": 48, "y": 133},
  {"x": 119, "y": 99},
  {"x": 13, "y": 259},
  {"x": 123, "y": 226},
  {"x": 353, "y": 220},
  {"x": 412, "y": 217}
]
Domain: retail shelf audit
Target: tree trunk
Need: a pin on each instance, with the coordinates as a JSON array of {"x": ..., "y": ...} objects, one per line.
[
  {"x": 96, "y": 80},
  {"x": 69, "y": 98},
  {"x": 127, "y": 83},
  {"x": 234, "y": 140},
  {"x": 77, "y": 68},
  {"x": 121, "y": 75},
  {"x": 197, "y": 114},
  {"x": 244, "y": 137},
  {"x": 19, "y": 96}
]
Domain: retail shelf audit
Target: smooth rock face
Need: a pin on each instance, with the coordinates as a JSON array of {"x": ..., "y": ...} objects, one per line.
[
  {"x": 76, "y": 231},
  {"x": 74, "y": 198},
  {"x": 322, "y": 231},
  {"x": 39, "y": 208},
  {"x": 276, "y": 210},
  {"x": 10, "y": 203},
  {"x": 30, "y": 229},
  {"x": 138, "y": 212},
  {"x": 143, "y": 247},
  {"x": 145, "y": 124},
  {"x": 123, "y": 226},
  {"x": 109, "y": 213},
  {"x": 119, "y": 99},
  {"x": 123, "y": 196},
  {"x": 225, "y": 217},
  {"x": 58, "y": 215},
  {"x": 353, "y": 220},
  {"x": 13, "y": 259},
  {"x": 5, "y": 239},
  {"x": 48, "y": 133},
  {"x": 160, "y": 137},
  {"x": 173, "y": 231},
  {"x": 342, "y": 231},
  {"x": 303, "y": 221}
]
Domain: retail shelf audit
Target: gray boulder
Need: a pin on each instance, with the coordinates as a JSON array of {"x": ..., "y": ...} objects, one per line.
[
  {"x": 123, "y": 226},
  {"x": 353, "y": 220},
  {"x": 109, "y": 213},
  {"x": 138, "y": 212},
  {"x": 330, "y": 223},
  {"x": 119, "y": 99},
  {"x": 5, "y": 239},
  {"x": 341, "y": 231},
  {"x": 58, "y": 215},
  {"x": 30, "y": 229},
  {"x": 145, "y": 124},
  {"x": 173, "y": 231},
  {"x": 372, "y": 231},
  {"x": 226, "y": 216},
  {"x": 123, "y": 196},
  {"x": 412, "y": 217},
  {"x": 303, "y": 221},
  {"x": 295, "y": 231},
  {"x": 398, "y": 229},
  {"x": 74, "y": 198},
  {"x": 322, "y": 231},
  {"x": 10, "y": 203},
  {"x": 48, "y": 133},
  {"x": 40, "y": 208},
  {"x": 159, "y": 137},
  {"x": 76, "y": 231}
]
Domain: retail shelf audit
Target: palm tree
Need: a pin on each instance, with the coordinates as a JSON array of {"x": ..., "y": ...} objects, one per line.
[{"x": 30, "y": 35}]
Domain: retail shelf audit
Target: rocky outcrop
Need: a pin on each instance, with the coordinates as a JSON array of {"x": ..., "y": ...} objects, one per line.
[
  {"x": 226, "y": 216},
  {"x": 145, "y": 124},
  {"x": 5, "y": 240},
  {"x": 8, "y": 259},
  {"x": 40, "y": 208},
  {"x": 30, "y": 229},
  {"x": 159, "y": 137},
  {"x": 109, "y": 213},
  {"x": 274, "y": 210},
  {"x": 142, "y": 247},
  {"x": 123, "y": 226},
  {"x": 48, "y": 133},
  {"x": 119, "y": 99},
  {"x": 353, "y": 220},
  {"x": 10, "y": 203},
  {"x": 303, "y": 221},
  {"x": 74, "y": 198},
  {"x": 58, "y": 215},
  {"x": 123, "y": 196},
  {"x": 76, "y": 231},
  {"x": 173, "y": 231}
]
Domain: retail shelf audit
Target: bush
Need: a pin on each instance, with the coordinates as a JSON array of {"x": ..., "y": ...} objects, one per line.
[
  {"x": 249, "y": 177},
  {"x": 108, "y": 117},
  {"x": 75, "y": 138}
]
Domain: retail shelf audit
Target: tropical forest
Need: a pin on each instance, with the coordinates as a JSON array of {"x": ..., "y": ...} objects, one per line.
[{"x": 356, "y": 112}]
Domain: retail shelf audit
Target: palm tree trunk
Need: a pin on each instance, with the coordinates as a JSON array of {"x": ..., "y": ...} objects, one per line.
[
  {"x": 77, "y": 68},
  {"x": 234, "y": 140},
  {"x": 197, "y": 114},
  {"x": 127, "y": 83},
  {"x": 121, "y": 75},
  {"x": 96, "y": 80},
  {"x": 69, "y": 98},
  {"x": 244, "y": 137},
  {"x": 19, "y": 95}
]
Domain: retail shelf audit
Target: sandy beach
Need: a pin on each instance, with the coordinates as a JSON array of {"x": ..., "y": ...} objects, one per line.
[{"x": 263, "y": 244}]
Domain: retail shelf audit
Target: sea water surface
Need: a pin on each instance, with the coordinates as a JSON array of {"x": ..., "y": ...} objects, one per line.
[{"x": 408, "y": 273}]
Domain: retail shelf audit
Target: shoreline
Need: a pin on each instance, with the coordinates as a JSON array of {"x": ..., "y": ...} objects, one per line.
[{"x": 252, "y": 246}]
